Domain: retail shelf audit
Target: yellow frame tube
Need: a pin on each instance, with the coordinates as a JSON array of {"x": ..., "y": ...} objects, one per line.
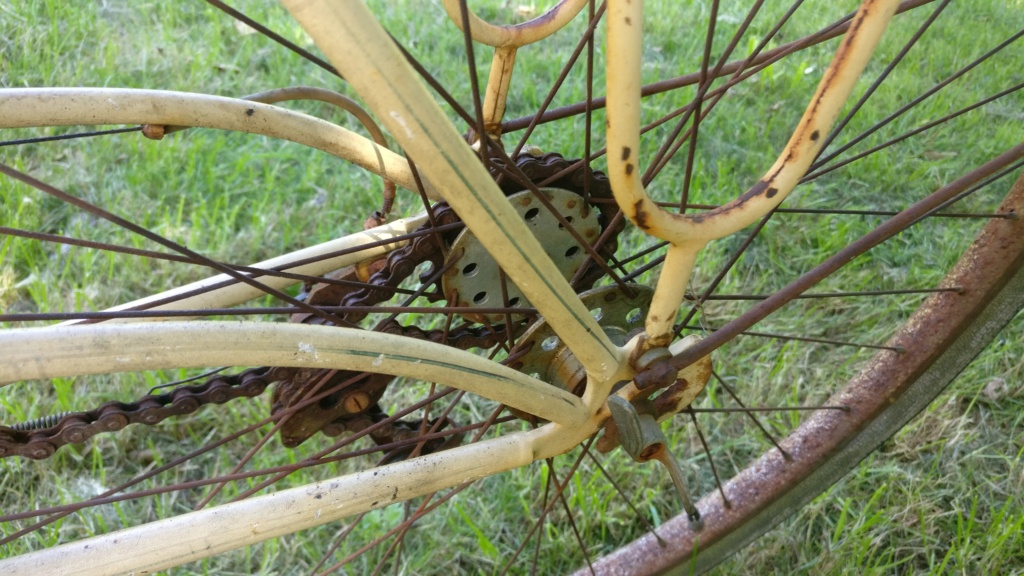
[
  {"x": 32, "y": 107},
  {"x": 238, "y": 292},
  {"x": 690, "y": 232},
  {"x": 60, "y": 351},
  {"x": 356, "y": 44},
  {"x": 516, "y": 35},
  {"x": 174, "y": 541}
]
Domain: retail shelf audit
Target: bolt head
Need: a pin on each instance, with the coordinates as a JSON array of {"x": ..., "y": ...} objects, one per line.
[{"x": 356, "y": 402}]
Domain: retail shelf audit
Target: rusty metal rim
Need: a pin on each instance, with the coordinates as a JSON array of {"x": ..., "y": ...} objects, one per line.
[{"x": 940, "y": 339}]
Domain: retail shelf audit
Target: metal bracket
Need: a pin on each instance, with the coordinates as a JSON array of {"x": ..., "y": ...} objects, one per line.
[{"x": 641, "y": 437}]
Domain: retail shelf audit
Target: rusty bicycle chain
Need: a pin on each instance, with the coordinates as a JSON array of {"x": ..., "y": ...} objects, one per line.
[
  {"x": 37, "y": 442},
  {"x": 78, "y": 427}
]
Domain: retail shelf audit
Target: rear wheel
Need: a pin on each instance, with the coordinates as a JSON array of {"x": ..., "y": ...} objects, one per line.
[{"x": 773, "y": 375}]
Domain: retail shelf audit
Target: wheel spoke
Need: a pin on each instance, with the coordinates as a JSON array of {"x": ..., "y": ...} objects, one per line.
[
  {"x": 927, "y": 94},
  {"x": 822, "y": 170},
  {"x": 190, "y": 254},
  {"x": 586, "y": 41},
  {"x": 885, "y": 231},
  {"x": 750, "y": 413},
  {"x": 884, "y": 74},
  {"x": 305, "y": 54},
  {"x": 71, "y": 136}
]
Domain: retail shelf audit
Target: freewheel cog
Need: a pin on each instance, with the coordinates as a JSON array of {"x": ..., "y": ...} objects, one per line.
[
  {"x": 541, "y": 353},
  {"x": 475, "y": 280}
]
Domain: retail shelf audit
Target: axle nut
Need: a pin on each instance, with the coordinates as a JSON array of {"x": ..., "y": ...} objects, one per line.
[{"x": 659, "y": 375}]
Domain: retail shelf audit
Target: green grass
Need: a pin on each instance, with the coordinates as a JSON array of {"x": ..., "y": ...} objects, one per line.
[{"x": 943, "y": 496}]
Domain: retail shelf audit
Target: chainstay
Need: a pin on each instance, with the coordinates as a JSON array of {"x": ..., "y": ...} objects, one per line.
[{"x": 42, "y": 441}]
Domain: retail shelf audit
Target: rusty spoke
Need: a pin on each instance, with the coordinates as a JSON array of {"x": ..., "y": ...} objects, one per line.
[
  {"x": 338, "y": 540},
  {"x": 836, "y": 212},
  {"x": 559, "y": 488},
  {"x": 750, "y": 413},
  {"x": 703, "y": 84},
  {"x": 434, "y": 84},
  {"x": 588, "y": 121},
  {"x": 69, "y": 136},
  {"x": 168, "y": 257},
  {"x": 1012, "y": 169},
  {"x": 725, "y": 270},
  {"x": 818, "y": 170},
  {"x": 396, "y": 542},
  {"x": 829, "y": 32},
  {"x": 882, "y": 76},
  {"x": 625, "y": 498},
  {"x": 429, "y": 208},
  {"x": 560, "y": 496},
  {"x": 540, "y": 533},
  {"x": 474, "y": 83},
  {"x": 585, "y": 41},
  {"x": 864, "y": 293},
  {"x": 707, "y": 453},
  {"x": 789, "y": 338},
  {"x": 913, "y": 103},
  {"x": 509, "y": 335},
  {"x": 883, "y": 232},
  {"x": 305, "y": 54}
]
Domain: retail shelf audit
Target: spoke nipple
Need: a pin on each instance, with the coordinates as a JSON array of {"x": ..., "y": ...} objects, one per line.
[
  {"x": 154, "y": 131},
  {"x": 696, "y": 524}
]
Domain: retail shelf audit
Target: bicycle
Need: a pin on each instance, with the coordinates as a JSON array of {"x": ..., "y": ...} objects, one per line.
[{"x": 588, "y": 334}]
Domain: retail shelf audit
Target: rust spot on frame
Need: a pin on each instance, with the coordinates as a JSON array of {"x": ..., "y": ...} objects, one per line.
[
  {"x": 771, "y": 192},
  {"x": 629, "y": 22},
  {"x": 629, "y": 169},
  {"x": 756, "y": 189},
  {"x": 814, "y": 136},
  {"x": 625, "y": 153},
  {"x": 639, "y": 215}
]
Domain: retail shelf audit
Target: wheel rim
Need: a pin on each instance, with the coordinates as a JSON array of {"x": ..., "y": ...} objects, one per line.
[{"x": 641, "y": 261}]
